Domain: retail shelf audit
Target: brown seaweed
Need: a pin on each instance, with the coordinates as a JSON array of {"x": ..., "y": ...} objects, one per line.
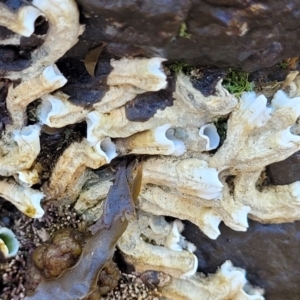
[
  {"x": 91, "y": 58},
  {"x": 85, "y": 90},
  {"x": 125, "y": 203},
  {"x": 81, "y": 280}
]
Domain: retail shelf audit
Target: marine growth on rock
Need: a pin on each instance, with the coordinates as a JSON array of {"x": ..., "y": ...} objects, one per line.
[{"x": 135, "y": 106}]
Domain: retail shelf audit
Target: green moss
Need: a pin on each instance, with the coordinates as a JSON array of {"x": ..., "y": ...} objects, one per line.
[
  {"x": 183, "y": 31},
  {"x": 236, "y": 82},
  {"x": 221, "y": 124},
  {"x": 179, "y": 66},
  {"x": 283, "y": 65}
]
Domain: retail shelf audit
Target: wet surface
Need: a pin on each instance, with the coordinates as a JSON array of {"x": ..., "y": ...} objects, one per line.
[
  {"x": 5, "y": 33},
  {"x": 247, "y": 34},
  {"x": 4, "y": 114},
  {"x": 268, "y": 253},
  {"x": 11, "y": 59},
  {"x": 286, "y": 171},
  {"x": 83, "y": 89},
  {"x": 12, "y": 4},
  {"x": 54, "y": 144},
  {"x": 208, "y": 80},
  {"x": 145, "y": 106}
]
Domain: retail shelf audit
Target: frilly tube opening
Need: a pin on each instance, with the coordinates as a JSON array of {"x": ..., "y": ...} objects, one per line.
[
  {"x": 155, "y": 68},
  {"x": 295, "y": 190},
  {"x": 27, "y": 15},
  {"x": 50, "y": 107},
  {"x": 193, "y": 270},
  {"x": 241, "y": 218},
  {"x": 9, "y": 245},
  {"x": 211, "y": 222},
  {"x": 209, "y": 132},
  {"x": 287, "y": 139},
  {"x": 178, "y": 145},
  {"x": 27, "y": 178},
  {"x": 52, "y": 76},
  {"x": 93, "y": 120},
  {"x": 174, "y": 237},
  {"x": 106, "y": 148},
  {"x": 255, "y": 108},
  {"x": 45, "y": 111},
  {"x": 29, "y": 134},
  {"x": 164, "y": 135},
  {"x": 213, "y": 184},
  {"x": 281, "y": 99},
  {"x": 35, "y": 210},
  {"x": 228, "y": 271}
]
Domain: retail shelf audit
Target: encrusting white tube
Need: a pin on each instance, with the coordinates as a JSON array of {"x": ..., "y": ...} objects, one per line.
[
  {"x": 144, "y": 73},
  {"x": 26, "y": 199},
  {"x": 154, "y": 141},
  {"x": 9, "y": 245},
  {"x": 209, "y": 132},
  {"x": 22, "y": 21}
]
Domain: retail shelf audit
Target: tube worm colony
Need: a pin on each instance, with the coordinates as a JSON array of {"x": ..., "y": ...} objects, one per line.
[{"x": 144, "y": 111}]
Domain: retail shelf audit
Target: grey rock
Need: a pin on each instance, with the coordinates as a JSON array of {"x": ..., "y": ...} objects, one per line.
[
  {"x": 286, "y": 171},
  {"x": 248, "y": 34},
  {"x": 269, "y": 254}
]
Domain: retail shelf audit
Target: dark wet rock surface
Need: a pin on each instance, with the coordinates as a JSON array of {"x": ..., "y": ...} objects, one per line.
[
  {"x": 124, "y": 50},
  {"x": 206, "y": 83},
  {"x": 54, "y": 143},
  {"x": 286, "y": 171},
  {"x": 139, "y": 23},
  {"x": 269, "y": 254},
  {"x": 247, "y": 34},
  {"x": 5, "y": 33},
  {"x": 83, "y": 89},
  {"x": 145, "y": 106},
  {"x": 4, "y": 114},
  {"x": 12, "y": 4},
  {"x": 11, "y": 59}
]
